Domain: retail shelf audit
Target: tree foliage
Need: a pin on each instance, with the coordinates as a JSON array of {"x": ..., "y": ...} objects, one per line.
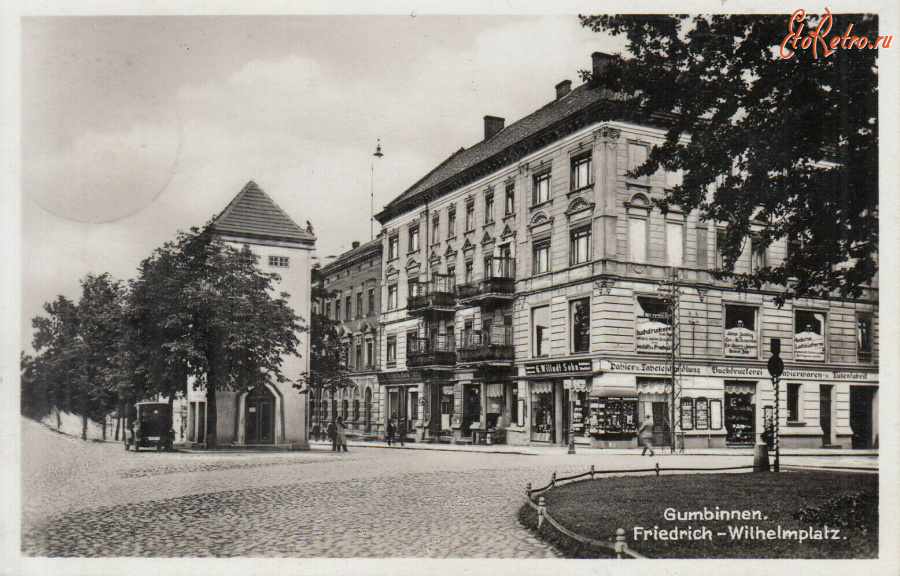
[{"x": 778, "y": 148}]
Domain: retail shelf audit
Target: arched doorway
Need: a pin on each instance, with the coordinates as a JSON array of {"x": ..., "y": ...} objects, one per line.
[{"x": 260, "y": 417}]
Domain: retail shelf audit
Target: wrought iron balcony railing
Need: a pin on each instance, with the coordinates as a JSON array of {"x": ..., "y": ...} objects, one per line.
[
  {"x": 499, "y": 282},
  {"x": 438, "y": 350},
  {"x": 435, "y": 295},
  {"x": 493, "y": 344}
]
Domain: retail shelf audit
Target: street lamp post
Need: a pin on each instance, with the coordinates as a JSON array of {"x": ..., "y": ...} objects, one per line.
[
  {"x": 377, "y": 154},
  {"x": 776, "y": 369},
  {"x": 571, "y": 421}
]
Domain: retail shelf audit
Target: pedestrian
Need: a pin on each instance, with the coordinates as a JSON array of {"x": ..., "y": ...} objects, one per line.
[
  {"x": 391, "y": 429},
  {"x": 645, "y": 433},
  {"x": 401, "y": 431},
  {"x": 332, "y": 434},
  {"x": 341, "y": 430},
  {"x": 317, "y": 432}
]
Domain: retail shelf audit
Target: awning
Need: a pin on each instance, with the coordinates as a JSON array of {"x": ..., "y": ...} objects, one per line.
[
  {"x": 653, "y": 386},
  {"x": 494, "y": 391},
  {"x": 542, "y": 387},
  {"x": 740, "y": 387},
  {"x": 612, "y": 392}
]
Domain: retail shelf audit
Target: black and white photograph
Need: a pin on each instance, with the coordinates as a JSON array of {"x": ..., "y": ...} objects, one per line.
[{"x": 423, "y": 289}]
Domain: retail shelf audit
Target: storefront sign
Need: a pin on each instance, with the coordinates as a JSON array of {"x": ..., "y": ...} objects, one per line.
[
  {"x": 809, "y": 346},
  {"x": 389, "y": 378},
  {"x": 653, "y": 336},
  {"x": 702, "y": 414},
  {"x": 735, "y": 371},
  {"x": 576, "y": 384},
  {"x": 558, "y": 367},
  {"x": 645, "y": 368},
  {"x": 740, "y": 342}
]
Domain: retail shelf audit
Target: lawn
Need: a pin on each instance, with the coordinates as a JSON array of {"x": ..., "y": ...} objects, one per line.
[{"x": 792, "y": 500}]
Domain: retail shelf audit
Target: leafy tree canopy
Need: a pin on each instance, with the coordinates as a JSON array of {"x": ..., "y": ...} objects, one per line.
[{"x": 776, "y": 148}]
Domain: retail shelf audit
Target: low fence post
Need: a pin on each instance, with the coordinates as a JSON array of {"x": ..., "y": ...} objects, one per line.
[
  {"x": 528, "y": 490},
  {"x": 542, "y": 510},
  {"x": 621, "y": 545},
  {"x": 657, "y": 468},
  {"x": 553, "y": 480},
  {"x": 592, "y": 471}
]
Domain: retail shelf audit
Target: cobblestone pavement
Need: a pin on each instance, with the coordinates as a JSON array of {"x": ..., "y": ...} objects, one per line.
[{"x": 93, "y": 499}]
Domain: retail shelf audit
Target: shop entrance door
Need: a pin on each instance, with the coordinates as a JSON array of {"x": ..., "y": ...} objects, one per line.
[
  {"x": 662, "y": 435},
  {"x": 471, "y": 408},
  {"x": 861, "y": 415},
  {"x": 825, "y": 413},
  {"x": 260, "y": 417},
  {"x": 740, "y": 419}
]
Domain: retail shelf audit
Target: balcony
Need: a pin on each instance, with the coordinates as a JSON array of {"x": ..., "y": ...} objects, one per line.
[
  {"x": 437, "y": 351},
  {"x": 438, "y": 295},
  {"x": 498, "y": 285},
  {"x": 864, "y": 357},
  {"x": 492, "y": 345}
]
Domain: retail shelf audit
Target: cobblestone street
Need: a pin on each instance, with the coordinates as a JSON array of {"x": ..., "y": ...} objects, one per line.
[{"x": 95, "y": 499}]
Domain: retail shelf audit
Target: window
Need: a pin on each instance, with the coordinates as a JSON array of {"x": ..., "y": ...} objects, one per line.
[
  {"x": 279, "y": 261},
  {"x": 541, "y": 190},
  {"x": 758, "y": 259},
  {"x": 451, "y": 272},
  {"x": 864, "y": 337},
  {"x": 720, "y": 248},
  {"x": 540, "y": 331},
  {"x": 674, "y": 179},
  {"x": 469, "y": 275},
  {"x": 328, "y": 309},
  {"x": 451, "y": 221},
  {"x": 392, "y": 297},
  {"x": 393, "y": 247},
  {"x": 515, "y": 414},
  {"x": 359, "y": 305},
  {"x": 675, "y": 244},
  {"x": 793, "y": 402},
  {"x": 359, "y": 357},
  {"x": 637, "y": 155},
  {"x": 436, "y": 228},
  {"x": 372, "y": 309},
  {"x": 412, "y": 287},
  {"x": 510, "y": 206},
  {"x": 337, "y": 308},
  {"x": 370, "y": 353},
  {"x": 580, "y": 320},
  {"x": 541, "y": 256},
  {"x": 488, "y": 206},
  {"x": 356, "y": 409},
  {"x": 580, "y": 246},
  {"x": 582, "y": 175},
  {"x": 809, "y": 335},
  {"x": 470, "y": 215},
  {"x": 391, "y": 350},
  {"x": 654, "y": 326},
  {"x": 637, "y": 239},
  {"x": 414, "y": 238},
  {"x": 794, "y": 246},
  {"x": 741, "y": 339},
  {"x": 344, "y": 409}
]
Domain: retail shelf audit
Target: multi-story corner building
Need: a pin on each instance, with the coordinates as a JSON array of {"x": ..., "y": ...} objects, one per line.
[
  {"x": 525, "y": 285},
  {"x": 353, "y": 282},
  {"x": 277, "y": 412}
]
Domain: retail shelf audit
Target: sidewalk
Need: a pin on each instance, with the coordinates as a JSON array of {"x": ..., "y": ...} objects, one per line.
[{"x": 532, "y": 450}]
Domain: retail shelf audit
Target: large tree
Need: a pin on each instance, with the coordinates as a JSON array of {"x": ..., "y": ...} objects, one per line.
[
  {"x": 776, "y": 148},
  {"x": 55, "y": 367},
  {"x": 205, "y": 309}
]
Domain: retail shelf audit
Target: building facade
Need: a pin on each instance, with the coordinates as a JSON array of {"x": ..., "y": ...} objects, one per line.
[
  {"x": 353, "y": 284},
  {"x": 532, "y": 290},
  {"x": 277, "y": 413}
]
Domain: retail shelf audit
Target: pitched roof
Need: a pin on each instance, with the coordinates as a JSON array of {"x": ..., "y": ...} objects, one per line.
[
  {"x": 254, "y": 215},
  {"x": 578, "y": 100},
  {"x": 352, "y": 255}
]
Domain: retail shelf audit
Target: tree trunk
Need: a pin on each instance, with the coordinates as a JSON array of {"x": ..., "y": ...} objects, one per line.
[
  {"x": 118, "y": 421},
  {"x": 84, "y": 422},
  {"x": 104, "y": 427},
  {"x": 211, "y": 417},
  {"x": 58, "y": 418}
]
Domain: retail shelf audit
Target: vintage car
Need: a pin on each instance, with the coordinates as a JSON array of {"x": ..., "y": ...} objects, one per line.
[{"x": 150, "y": 426}]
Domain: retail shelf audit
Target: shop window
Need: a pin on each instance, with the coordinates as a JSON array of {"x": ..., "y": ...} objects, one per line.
[
  {"x": 580, "y": 245},
  {"x": 541, "y": 188},
  {"x": 687, "y": 413},
  {"x": 393, "y": 247},
  {"x": 809, "y": 335},
  {"x": 540, "y": 256},
  {"x": 654, "y": 326},
  {"x": 543, "y": 410},
  {"x": 793, "y": 402},
  {"x": 580, "y": 321},
  {"x": 392, "y": 297},
  {"x": 741, "y": 339},
  {"x": 540, "y": 331},
  {"x": 391, "y": 351},
  {"x": 582, "y": 175},
  {"x": 864, "y": 337},
  {"x": 675, "y": 244},
  {"x": 510, "y": 205},
  {"x": 637, "y": 240}
]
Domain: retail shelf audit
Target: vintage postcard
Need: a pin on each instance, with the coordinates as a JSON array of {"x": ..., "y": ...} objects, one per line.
[{"x": 428, "y": 289}]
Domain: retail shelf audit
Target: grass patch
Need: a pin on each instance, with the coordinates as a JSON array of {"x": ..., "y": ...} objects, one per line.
[{"x": 793, "y": 500}]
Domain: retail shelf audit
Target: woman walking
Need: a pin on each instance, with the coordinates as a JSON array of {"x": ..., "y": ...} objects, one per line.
[
  {"x": 645, "y": 433},
  {"x": 341, "y": 435}
]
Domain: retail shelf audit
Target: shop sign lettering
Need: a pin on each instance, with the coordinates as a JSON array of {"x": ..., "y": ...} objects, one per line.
[
  {"x": 740, "y": 342},
  {"x": 653, "y": 336},
  {"x": 558, "y": 367},
  {"x": 809, "y": 346}
]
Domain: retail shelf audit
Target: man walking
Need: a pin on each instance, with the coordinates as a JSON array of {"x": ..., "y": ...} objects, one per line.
[
  {"x": 645, "y": 433},
  {"x": 341, "y": 429},
  {"x": 401, "y": 431},
  {"x": 332, "y": 434},
  {"x": 390, "y": 431}
]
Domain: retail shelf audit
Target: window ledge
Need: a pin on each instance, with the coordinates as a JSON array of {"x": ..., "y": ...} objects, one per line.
[
  {"x": 795, "y": 424},
  {"x": 491, "y": 223},
  {"x": 638, "y": 184},
  {"x": 449, "y": 238},
  {"x": 579, "y": 190},
  {"x": 540, "y": 204},
  {"x": 509, "y": 216},
  {"x": 412, "y": 252}
]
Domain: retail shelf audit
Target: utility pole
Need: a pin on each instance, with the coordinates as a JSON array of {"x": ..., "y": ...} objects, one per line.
[
  {"x": 671, "y": 294},
  {"x": 377, "y": 154},
  {"x": 775, "y": 365}
]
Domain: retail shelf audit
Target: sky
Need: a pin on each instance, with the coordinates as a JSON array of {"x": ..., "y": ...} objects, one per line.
[{"x": 134, "y": 128}]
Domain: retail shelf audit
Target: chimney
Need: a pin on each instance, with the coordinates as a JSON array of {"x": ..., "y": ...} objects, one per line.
[
  {"x": 601, "y": 62},
  {"x": 563, "y": 88},
  {"x": 492, "y": 125},
  {"x": 355, "y": 244}
]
